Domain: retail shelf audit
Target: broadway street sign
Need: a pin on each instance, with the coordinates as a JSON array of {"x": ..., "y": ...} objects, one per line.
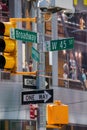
[
  {"x": 23, "y": 35},
  {"x": 39, "y": 96}
]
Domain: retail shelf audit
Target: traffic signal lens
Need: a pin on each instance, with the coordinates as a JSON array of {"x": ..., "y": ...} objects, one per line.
[
  {"x": 2, "y": 29},
  {"x": 2, "y": 62},
  {"x": 2, "y": 45}
]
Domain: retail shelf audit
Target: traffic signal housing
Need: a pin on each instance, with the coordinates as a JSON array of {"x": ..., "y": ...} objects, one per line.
[
  {"x": 7, "y": 47},
  {"x": 57, "y": 113}
]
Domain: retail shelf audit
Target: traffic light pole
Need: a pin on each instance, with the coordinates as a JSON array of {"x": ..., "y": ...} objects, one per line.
[
  {"x": 55, "y": 53},
  {"x": 34, "y": 29},
  {"x": 18, "y": 14},
  {"x": 41, "y": 67}
]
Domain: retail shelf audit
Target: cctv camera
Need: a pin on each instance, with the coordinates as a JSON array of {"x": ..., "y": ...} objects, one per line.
[
  {"x": 43, "y": 5},
  {"x": 69, "y": 13}
]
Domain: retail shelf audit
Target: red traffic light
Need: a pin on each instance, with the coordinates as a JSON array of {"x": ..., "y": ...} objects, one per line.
[{"x": 2, "y": 29}]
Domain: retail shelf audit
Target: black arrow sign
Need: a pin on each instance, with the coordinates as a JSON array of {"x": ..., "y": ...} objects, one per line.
[{"x": 40, "y": 96}]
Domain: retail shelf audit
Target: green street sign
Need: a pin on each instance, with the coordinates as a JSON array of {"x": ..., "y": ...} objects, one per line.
[
  {"x": 62, "y": 44},
  {"x": 23, "y": 35},
  {"x": 35, "y": 54}
]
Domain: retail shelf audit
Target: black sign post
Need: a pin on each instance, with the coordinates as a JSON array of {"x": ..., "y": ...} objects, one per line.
[{"x": 40, "y": 96}]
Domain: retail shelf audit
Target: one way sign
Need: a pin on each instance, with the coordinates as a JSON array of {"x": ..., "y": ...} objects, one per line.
[
  {"x": 29, "y": 82},
  {"x": 40, "y": 96}
]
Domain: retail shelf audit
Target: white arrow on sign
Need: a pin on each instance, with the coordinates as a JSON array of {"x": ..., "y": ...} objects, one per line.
[
  {"x": 37, "y": 97},
  {"x": 46, "y": 83}
]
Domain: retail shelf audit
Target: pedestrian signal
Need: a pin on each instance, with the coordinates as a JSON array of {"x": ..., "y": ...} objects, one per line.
[{"x": 57, "y": 113}]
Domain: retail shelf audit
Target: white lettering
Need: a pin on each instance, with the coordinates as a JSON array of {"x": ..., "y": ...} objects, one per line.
[
  {"x": 29, "y": 97},
  {"x": 25, "y": 35},
  {"x": 54, "y": 45},
  {"x": 64, "y": 44}
]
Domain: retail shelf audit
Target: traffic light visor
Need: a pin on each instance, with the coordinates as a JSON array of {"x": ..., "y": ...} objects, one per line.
[
  {"x": 7, "y": 62},
  {"x": 5, "y": 28},
  {"x": 2, "y": 45},
  {"x": 2, "y": 62},
  {"x": 2, "y": 29}
]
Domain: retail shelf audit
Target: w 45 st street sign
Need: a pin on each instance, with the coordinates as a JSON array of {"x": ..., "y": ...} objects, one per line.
[{"x": 60, "y": 44}]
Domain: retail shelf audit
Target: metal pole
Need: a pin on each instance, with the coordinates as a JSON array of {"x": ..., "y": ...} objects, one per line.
[
  {"x": 41, "y": 41},
  {"x": 55, "y": 53},
  {"x": 34, "y": 28},
  {"x": 18, "y": 14},
  {"x": 41, "y": 67}
]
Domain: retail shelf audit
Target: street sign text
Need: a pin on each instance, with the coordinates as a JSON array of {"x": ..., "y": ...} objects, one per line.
[
  {"x": 29, "y": 82},
  {"x": 39, "y": 96},
  {"x": 62, "y": 44},
  {"x": 23, "y": 35}
]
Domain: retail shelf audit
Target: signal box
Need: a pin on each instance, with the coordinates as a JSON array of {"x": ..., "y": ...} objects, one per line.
[
  {"x": 57, "y": 113},
  {"x": 8, "y": 52}
]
